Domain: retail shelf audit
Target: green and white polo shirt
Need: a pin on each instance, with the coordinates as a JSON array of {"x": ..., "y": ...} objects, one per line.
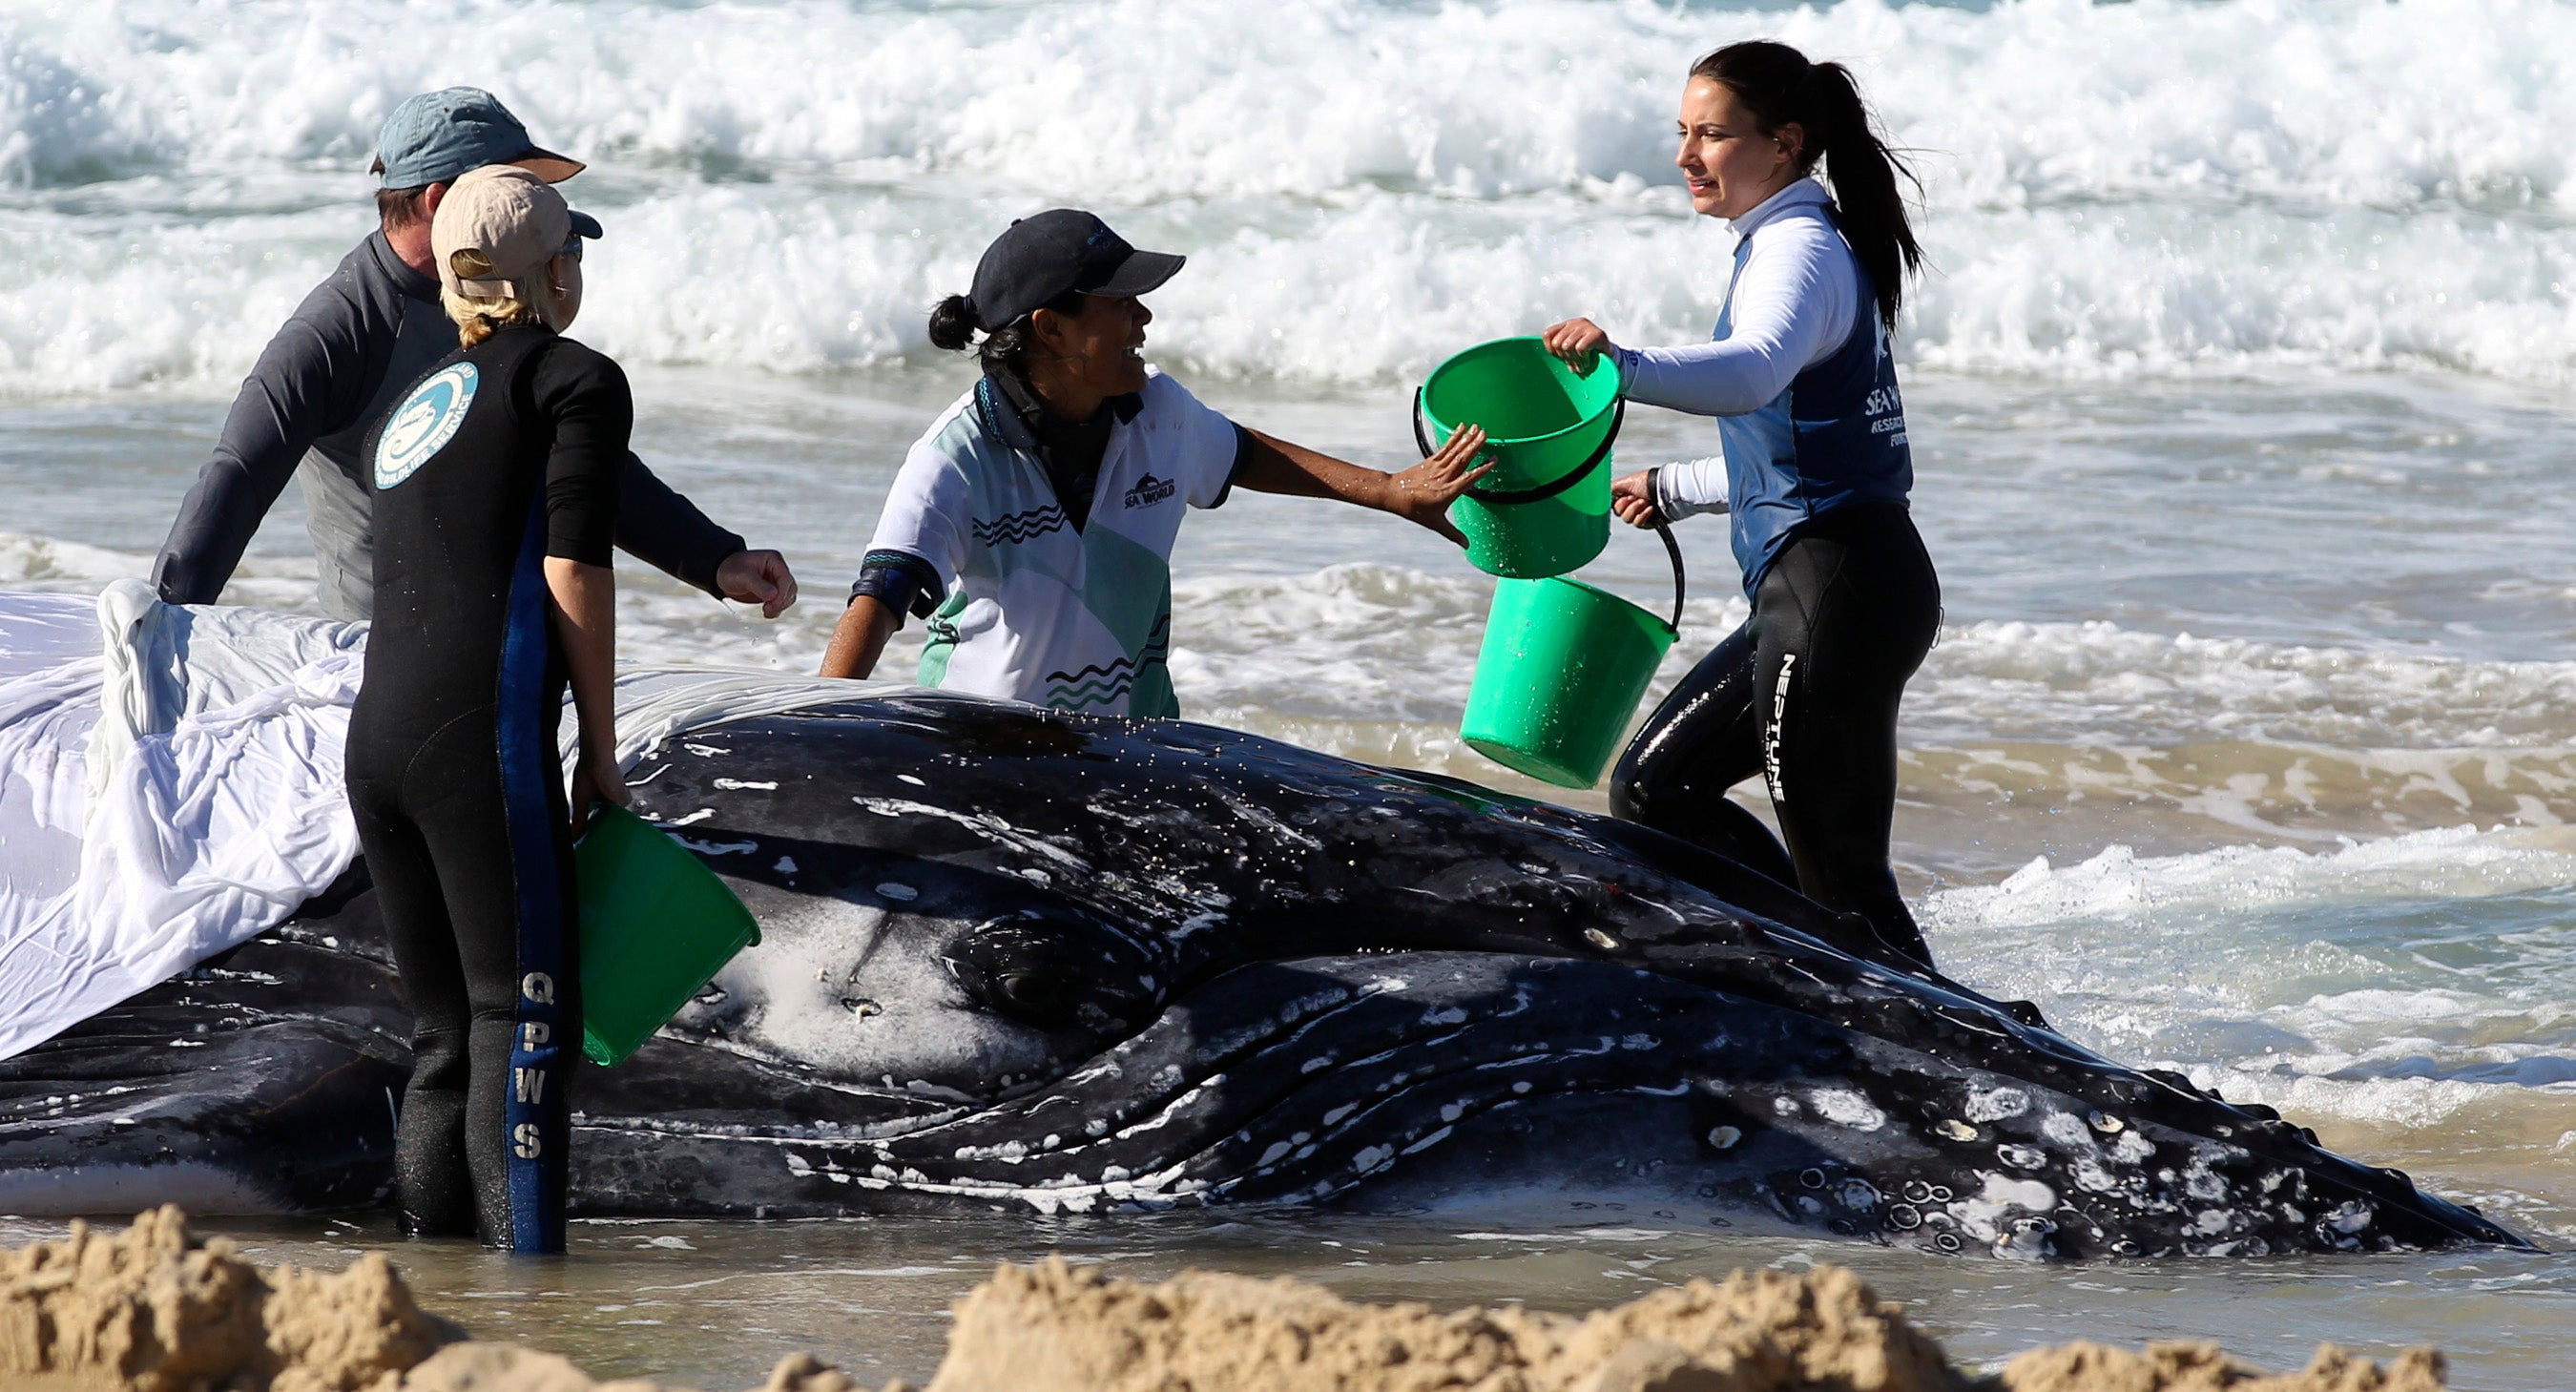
[{"x": 1030, "y": 607}]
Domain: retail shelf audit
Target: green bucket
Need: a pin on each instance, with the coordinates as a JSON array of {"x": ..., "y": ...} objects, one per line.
[
  {"x": 1562, "y": 670},
  {"x": 1545, "y": 509},
  {"x": 656, "y": 926}
]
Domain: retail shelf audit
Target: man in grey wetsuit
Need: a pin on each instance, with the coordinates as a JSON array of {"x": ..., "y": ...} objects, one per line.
[{"x": 343, "y": 360}]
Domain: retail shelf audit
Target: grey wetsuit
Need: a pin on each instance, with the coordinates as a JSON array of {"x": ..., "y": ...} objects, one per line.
[{"x": 322, "y": 383}]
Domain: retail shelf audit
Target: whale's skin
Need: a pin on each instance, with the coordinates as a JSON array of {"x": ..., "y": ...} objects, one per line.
[{"x": 1023, "y": 960}]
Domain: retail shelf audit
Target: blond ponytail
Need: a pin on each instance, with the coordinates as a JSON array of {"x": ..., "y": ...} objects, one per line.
[{"x": 478, "y": 317}]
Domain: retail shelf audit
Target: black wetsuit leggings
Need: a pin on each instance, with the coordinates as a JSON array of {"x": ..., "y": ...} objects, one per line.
[
  {"x": 466, "y": 837},
  {"x": 1805, "y": 693}
]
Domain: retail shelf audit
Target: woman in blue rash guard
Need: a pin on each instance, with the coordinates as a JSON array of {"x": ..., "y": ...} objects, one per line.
[
  {"x": 1816, "y": 473},
  {"x": 495, "y": 511}
]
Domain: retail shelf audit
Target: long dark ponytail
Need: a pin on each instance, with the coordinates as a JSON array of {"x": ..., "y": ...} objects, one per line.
[{"x": 1780, "y": 87}]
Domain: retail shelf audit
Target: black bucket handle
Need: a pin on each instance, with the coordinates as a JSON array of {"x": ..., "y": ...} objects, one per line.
[
  {"x": 1507, "y": 497},
  {"x": 1673, "y": 549}
]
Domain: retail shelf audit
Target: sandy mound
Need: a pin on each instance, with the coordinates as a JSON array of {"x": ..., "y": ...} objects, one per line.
[
  {"x": 1074, "y": 1330},
  {"x": 2088, "y": 1367},
  {"x": 153, "y": 1309}
]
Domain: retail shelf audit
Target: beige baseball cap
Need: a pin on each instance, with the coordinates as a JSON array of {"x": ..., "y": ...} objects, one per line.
[{"x": 514, "y": 220}]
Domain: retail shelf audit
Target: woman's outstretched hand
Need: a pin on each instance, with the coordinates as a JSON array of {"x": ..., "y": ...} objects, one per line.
[
  {"x": 1578, "y": 341},
  {"x": 1424, "y": 492},
  {"x": 1633, "y": 499}
]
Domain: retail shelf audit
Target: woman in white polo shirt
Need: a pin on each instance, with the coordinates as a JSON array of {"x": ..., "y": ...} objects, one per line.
[{"x": 1033, "y": 524}]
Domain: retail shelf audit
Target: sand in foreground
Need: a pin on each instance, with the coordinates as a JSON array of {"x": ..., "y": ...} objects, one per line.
[{"x": 156, "y": 1309}]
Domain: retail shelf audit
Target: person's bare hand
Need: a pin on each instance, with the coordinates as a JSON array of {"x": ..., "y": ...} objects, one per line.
[
  {"x": 1423, "y": 493},
  {"x": 1633, "y": 499},
  {"x": 1578, "y": 341},
  {"x": 597, "y": 778},
  {"x": 758, "y": 577}
]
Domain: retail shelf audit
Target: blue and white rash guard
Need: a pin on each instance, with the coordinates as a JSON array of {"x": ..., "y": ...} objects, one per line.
[{"x": 1798, "y": 375}]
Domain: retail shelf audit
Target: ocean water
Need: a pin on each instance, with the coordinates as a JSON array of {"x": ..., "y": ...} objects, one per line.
[{"x": 2239, "y": 392}]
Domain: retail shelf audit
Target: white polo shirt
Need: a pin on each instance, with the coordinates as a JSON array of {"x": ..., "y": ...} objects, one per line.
[{"x": 1032, "y": 608}]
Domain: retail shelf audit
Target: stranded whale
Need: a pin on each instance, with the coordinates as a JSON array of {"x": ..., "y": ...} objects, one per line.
[{"x": 1021, "y": 959}]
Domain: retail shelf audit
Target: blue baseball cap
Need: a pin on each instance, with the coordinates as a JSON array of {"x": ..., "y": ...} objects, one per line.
[{"x": 436, "y": 136}]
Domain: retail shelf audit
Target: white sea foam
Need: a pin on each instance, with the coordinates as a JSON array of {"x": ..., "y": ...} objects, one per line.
[
  {"x": 2151, "y": 187},
  {"x": 2345, "y": 984}
]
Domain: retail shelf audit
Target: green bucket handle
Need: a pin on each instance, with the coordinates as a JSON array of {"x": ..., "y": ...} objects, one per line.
[{"x": 1506, "y": 497}]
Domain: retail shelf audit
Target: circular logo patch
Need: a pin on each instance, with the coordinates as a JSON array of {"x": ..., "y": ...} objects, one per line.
[{"x": 424, "y": 423}]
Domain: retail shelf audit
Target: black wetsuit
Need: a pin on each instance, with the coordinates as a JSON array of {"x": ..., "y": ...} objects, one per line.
[
  {"x": 501, "y": 456},
  {"x": 1805, "y": 693}
]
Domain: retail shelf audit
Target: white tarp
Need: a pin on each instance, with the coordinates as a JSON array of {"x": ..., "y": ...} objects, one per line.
[
  {"x": 159, "y": 797},
  {"x": 171, "y": 783}
]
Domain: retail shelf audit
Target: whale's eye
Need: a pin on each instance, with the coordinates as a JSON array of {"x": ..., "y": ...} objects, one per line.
[{"x": 1057, "y": 970}]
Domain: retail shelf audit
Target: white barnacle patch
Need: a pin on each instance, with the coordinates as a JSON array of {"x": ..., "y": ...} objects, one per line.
[
  {"x": 2022, "y": 1157},
  {"x": 1954, "y": 1129},
  {"x": 799, "y": 1166},
  {"x": 2210, "y": 1222},
  {"x": 786, "y": 865},
  {"x": 1723, "y": 1137},
  {"x": 2091, "y": 1177},
  {"x": 1987, "y": 1216},
  {"x": 1786, "y": 1106},
  {"x": 1522, "y": 1086},
  {"x": 1376, "y": 1157},
  {"x": 1846, "y": 1107},
  {"x": 1335, "y": 1116},
  {"x": 1449, "y": 1015},
  {"x": 2132, "y": 1149},
  {"x": 1427, "y": 1142},
  {"x": 900, "y": 893},
  {"x": 1601, "y": 940},
  {"x": 745, "y": 785},
  {"x": 1317, "y": 1064},
  {"x": 2067, "y": 1129},
  {"x": 2350, "y": 1218},
  {"x": 1451, "y": 1112},
  {"x": 1277, "y": 1152},
  {"x": 1639, "y": 1042},
  {"x": 717, "y": 848},
  {"x": 1995, "y": 1104},
  {"x": 1858, "y": 1195}
]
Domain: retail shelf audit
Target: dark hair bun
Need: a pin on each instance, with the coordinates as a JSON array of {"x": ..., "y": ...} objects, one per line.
[{"x": 952, "y": 323}]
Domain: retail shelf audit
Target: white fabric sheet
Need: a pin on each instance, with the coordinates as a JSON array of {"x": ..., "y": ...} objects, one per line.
[{"x": 171, "y": 783}]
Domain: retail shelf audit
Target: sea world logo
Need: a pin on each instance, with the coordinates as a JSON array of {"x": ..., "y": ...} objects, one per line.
[
  {"x": 1150, "y": 490},
  {"x": 424, "y": 423}
]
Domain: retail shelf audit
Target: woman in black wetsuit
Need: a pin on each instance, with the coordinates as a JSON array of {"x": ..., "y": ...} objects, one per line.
[
  {"x": 495, "y": 512},
  {"x": 1817, "y": 472}
]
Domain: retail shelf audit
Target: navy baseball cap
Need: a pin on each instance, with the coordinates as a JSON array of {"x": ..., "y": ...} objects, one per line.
[
  {"x": 1037, "y": 260},
  {"x": 436, "y": 136}
]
